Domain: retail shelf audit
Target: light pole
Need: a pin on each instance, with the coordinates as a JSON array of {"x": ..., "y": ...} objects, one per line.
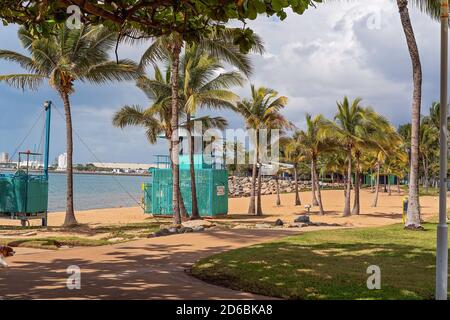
[{"x": 442, "y": 231}]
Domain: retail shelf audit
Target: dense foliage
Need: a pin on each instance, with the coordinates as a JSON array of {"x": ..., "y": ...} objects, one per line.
[{"x": 191, "y": 18}]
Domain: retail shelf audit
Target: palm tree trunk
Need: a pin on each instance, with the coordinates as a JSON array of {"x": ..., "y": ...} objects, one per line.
[
  {"x": 349, "y": 184},
  {"x": 175, "y": 54},
  {"x": 278, "y": 190},
  {"x": 398, "y": 184},
  {"x": 356, "y": 205},
  {"x": 425, "y": 173},
  {"x": 313, "y": 186},
  {"x": 413, "y": 214},
  {"x": 258, "y": 195},
  {"x": 251, "y": 207},
  {"x": 377, "y": 186},
  {"x": 70, "y": 218},
  {"x": 389, "y": 186},
  {"x": 297, "y": 195},
  {"x": 194, "y": 214},
  {"x": 183, "y": 211},
  {"x": 319, "y": 195}
]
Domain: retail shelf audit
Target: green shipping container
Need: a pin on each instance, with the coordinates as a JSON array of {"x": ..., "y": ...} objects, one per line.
[
  {"x": 212, "y": 192},
  {"x": 22, "y": 193}
]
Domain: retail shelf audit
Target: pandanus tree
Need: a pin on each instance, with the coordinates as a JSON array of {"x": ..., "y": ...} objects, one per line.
[
  {"x": 62, "y": 58},
  {"x": 261, "y": 112}
]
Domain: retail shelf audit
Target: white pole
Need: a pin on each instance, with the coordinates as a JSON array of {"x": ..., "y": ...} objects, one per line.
[{"x": 442, "y": 231}]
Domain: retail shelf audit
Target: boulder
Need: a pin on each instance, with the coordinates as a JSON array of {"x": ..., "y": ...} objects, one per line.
[
  {"x": 195, "y": 223},
  {"x": 185, "y": 230},
  {"x": 302, "y": 219},
  {"x": 279, "y": 222},
  {"x": 160, "y": 233},
  {"x": 198, "y": 228}
]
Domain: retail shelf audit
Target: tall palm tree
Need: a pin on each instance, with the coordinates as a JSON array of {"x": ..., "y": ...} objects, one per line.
[
  {"x": 432, "y": 8},
  {"x": 294, "y": 154},
  {"x": 204, "y": 86},
  {"x": 316, "y": 140},
  {"x": 62, "y": 58},
  {"x": 413, "y": 214},
  {"x": 349, "y": 125},
  {"x": 220, "y": 45},
  {"x": 157, "y": 118},
  {"x": 361, "y": 130},
  {"x": 262, "y": 111}
]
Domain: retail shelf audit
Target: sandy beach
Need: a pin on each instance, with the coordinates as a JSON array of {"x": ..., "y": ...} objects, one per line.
[{"x": 388, "y": 211}]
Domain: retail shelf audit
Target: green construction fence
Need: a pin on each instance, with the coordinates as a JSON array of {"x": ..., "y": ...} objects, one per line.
[
  {"x": 22, "y": 193},
  {"x": 212, "y": 192}
]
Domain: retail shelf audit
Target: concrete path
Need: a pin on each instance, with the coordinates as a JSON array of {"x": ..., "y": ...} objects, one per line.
[{"x": 144, "y": 269}]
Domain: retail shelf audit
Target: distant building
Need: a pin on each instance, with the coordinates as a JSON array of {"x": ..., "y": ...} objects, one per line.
[
  {"x": 62, "y": 162},
  {"x": 31, "y": 164},
  {"x": 4, "y": 157},
  {"x": 118, "y": 167}
]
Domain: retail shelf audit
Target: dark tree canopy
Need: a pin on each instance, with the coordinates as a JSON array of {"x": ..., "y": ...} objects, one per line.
[{"x": 190, "y": 18}]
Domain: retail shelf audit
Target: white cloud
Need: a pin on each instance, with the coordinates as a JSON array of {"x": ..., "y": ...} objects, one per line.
[{"x": 354, "y": 48}]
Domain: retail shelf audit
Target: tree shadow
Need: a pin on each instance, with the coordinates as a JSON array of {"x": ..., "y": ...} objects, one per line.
[
  {"x": 326, "y": 270},
  {"x": 134, "y": 270}
]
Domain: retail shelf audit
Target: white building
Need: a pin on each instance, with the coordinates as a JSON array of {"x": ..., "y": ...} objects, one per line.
[
  {"x": 62, "y": 162},
  {"x": 124, "y": 167},
  {"x": 4, "y": 157}
]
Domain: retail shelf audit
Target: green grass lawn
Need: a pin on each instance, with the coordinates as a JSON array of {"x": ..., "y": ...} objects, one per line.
[
  {"x": 331, "y": 264},
  {"x": 82, "y": 235},
  {"x": 50, "y": 242}
]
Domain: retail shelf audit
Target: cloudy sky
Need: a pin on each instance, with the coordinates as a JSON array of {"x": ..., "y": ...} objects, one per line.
[{"x": 354, "y": 48}]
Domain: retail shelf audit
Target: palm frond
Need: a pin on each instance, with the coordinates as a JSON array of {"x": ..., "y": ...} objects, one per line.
[
  {"x": 111, "y": 71},
  {"x": 23, "y": 81}
]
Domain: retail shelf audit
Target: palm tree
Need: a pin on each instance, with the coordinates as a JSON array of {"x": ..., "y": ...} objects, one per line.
[
  {"x": 157, "y": 118},
  {"x": 349, "y": 124},
  {"x": 428, "y": 148},
  {"x": 380, "y": 159},
  {"x": 203, "y": 86},
  {"x": 295, "y": 155},
  {"x": 219, "y": 45},
  {"x": 314, "y": 141},
  {"x": 62, "y": 58},
  {"x": 432, "y": 8},
  {"x": 261, "y": 112}
]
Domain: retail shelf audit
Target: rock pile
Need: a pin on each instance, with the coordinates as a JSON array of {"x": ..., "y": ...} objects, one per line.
[
  {"x": 185, "y": 227},
  {"x": 242, "y": 186}
]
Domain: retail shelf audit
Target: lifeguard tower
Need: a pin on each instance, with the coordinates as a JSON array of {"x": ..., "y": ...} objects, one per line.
[{"x": 211, "y": 182}]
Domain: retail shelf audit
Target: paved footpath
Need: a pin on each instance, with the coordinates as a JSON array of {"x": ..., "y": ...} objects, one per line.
[{"x": 143, "y": 269}]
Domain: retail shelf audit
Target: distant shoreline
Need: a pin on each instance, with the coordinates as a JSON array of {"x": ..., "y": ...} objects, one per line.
[{"x": 91, "y": 173}]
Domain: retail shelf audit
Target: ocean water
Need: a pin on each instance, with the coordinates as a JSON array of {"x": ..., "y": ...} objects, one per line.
[{"x": 96, "y": 191}]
